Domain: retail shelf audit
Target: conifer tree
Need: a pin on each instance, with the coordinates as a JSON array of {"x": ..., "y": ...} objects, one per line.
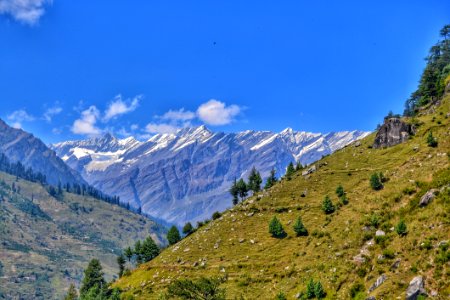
[
  {"x": 149, "y": 249},
  {"x": 254, "y": 181},
  {"x": 173, "y": 235},
  {"x": 138, "y": 251},
  {"x": 298, "y": 166},
  {"x": 310, "y": 287},
  {"x": 71, "y": 293},
  {"x": 299, "y": 228},
  {"x": 401, "y": 228},
  {"x": 242, "y": 188},
  {"x": 271, "y": 180},
  {"x": 375, "y": 182},
  {"x": 128, "y": 252},
  {"x": 318, "y": 290},
  {"x": 431, "y": 140},
  {"x": 234, "y": 191},
  {"x": 340, "y": 191},
  {"x": 188, "y": 228},
  {"x": 289, "y": 171},
  {"x": 121, "y": 262},
  {"x": 327, "y": 205},
  {"x": 93, "y": 281},
  {"x": 276, "y": 229}
]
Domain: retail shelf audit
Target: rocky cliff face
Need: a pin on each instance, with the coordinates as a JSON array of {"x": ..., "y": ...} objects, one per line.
[
  {"x": 394, "y": 131},
  {"x": 186, "y": 176},
  {"x": 19, "y": 145}
]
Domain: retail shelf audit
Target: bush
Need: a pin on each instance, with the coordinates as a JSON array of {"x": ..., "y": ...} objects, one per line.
[
  {"x": 208, "y": 288},
  {"x": 375, "y": 182},
  {"x": 432, "y": 141},
  {"x": 389, "y": 254},
  {"x": 216, "y": 215},
  {"x": 310, "y": 289},
  {"x": 340, "y": 191},
  {"x": 356, "y": 289},
  {"x": 276, "y": 229},
  {"x": 280, "y": 296},
  {"x": 318, "y": 290},
  {"x": 401, "y": 228},
  {"x": 328, "y": 206},
  {"x": 188, "y": 228},
  {"x": 299, "y": 228}
]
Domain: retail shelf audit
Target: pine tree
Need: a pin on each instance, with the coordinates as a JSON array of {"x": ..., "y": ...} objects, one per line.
[
  {"x": 340, "y": 191},
  {"x": 149, "y": 249},
  {"x": 318, "y": 290},
  {"x": 310, "y": 287},
  {"x": 242, "y": 188},
  {"x": 128, "y": 252},
  {"x": 121, "y": 262},
  {"x": 93, "y": 279},
  {"x": 431, "y": 140},
  {"x": 276, "y": 229},
  {"x": 254, "y": 181},
  {"x": 327, "y": 205},
  {"x": 71, "y": 293},
  {"x": 289, "y": 171},
  {"x": 271, "y": 180},
  {"x": 298, "y": 166},
  {"x": 401, "y": 228},
  {"x": 173, "y": 235},
  {"x": 375, "y": 182},
  {"x": 138, "y": 251},
  {"x": 234, "y": 191},
  {"x": 299, "y": 228},
  {"x": 188, "y": 228}
]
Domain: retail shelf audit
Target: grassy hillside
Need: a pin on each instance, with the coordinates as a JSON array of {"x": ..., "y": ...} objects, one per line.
[
  {"x": 45, "y": 242},
  {"x": 239, "y": 247}
]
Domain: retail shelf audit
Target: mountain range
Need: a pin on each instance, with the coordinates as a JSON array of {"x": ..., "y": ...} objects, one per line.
[{"x": 185, "y": 176}]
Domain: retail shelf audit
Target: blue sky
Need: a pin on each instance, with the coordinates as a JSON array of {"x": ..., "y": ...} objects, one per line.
[{"x": 71, "y": 69}]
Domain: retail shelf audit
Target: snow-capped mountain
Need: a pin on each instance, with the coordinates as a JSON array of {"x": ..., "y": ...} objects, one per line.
[{"x": 186, "y": 176}]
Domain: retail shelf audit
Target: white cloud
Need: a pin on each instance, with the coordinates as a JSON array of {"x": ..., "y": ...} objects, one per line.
[
  {"x": 51, "y": 112},
  {"x": 18, "y": 117},
  {"x": 119, "y": 107},
  {"x": 160, "y": 128},
  {"x": 178, "y": 115},
  {"x": 25, "y": 11},
  {"x": 56, "y": 130},
  {"x": 85, "y": 125},
  {"x": 134, "y": 127},
  {"x": 215, "y": 112}
]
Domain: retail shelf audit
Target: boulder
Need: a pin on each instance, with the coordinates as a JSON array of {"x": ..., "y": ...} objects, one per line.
[
  {"x": 377, "y": 283},
  {"x": 310, "y": 170},
  {"x": 394, "y": 131},
  {"x": 416, "y": 287},
  {"x": 380, "y": 233},
  {"x": 426, "y": 199}
]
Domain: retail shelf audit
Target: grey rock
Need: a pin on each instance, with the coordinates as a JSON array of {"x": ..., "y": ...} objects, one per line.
[
  {"x": 185, "y": 176},
  {"x": 380, "y": 233},
  {"x": 394, "y": 131},
  {"x": 357, "y": 144},
  {"x": 377, "y": 283},
  {"x": 371, "y": 298},
  {"x": 427, "y": 198},
  {"x": 395, "y": 265},
  {"x": 416, "y": 287},
  {"x": 310, "y": 170}
]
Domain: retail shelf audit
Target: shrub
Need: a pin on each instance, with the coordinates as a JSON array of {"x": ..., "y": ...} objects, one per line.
[
  {"x": 340, "y": 191},
  {"x": 208, "y": 288},
  {"x": 328, "y": 206},
  {"x": 318, "y": 290},
  {"x": 299, "y": 228},
  {"x": 188, "y": 228},
  {"x": 280, "y": 296},
  {"x": 431, "y": 140},
  {"x": 356, "y": 289},
  {"x": 216, "y": 215},
  {"x": 276, "y": 229},
  {"x": 375, "y": 182},
  {"x": 389, "y": 254},
  {"x": 375, "y": 220},
  {"x": 310, "y": 289},
  {"x": 401, "y": 228}
]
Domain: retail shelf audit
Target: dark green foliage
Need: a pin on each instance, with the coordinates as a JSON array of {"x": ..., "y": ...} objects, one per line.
[
  {"x": 299, "y": 228},
  {"x": 216, "y": 215},
  {"x": 328, "y": 206},
  {"x": 254, "y": 181},
  {"x": 318, "y": 290},
  {"x": 242, "y": 188},
  {"x": 71, "y": 293},
  {"x": 93, "y": 281},
  {"x": 276, "y": 229},
  {"x": 280, "y": 296},
  {"x": 375, "y": 181},
  {"x": 234, "y": 192},
  {"x": 173, "y": 235},
  {"x": 128, "y": 252},
  {"x": 121, "y": 262},
  {"x": 201, "y": 289},
  {"x": 188, "y": 228},
  {"x": 298, "y": 166},
  {"x": 340, "y": 191},
  {"x": 271, "y": 180},
  {"x": 401, "y": 228},
  {"x": 432, "y": 82},
  {"x": 149, "y": 250},
  {"x": 290, "y": 170},
  {"x": 310, "y": 287},
  {"x": 431, "y": 140},
  {"x": 138, "y": 251},
  {"x": 356, "y": 289}
]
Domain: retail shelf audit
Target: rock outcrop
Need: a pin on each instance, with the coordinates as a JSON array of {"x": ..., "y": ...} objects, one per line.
[
  {"x": 394, "y": 131},
  {"x": 416, "y": 287},
  {"x": 427, "y": 197}
]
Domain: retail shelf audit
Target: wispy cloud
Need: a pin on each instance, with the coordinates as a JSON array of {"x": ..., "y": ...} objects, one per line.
[
  {"x": 85, "y": 125},
  {"x": 25, "y": 11},
  {"x": 160, "y": 128},
  {"x": 178, "y": 115},
  {"x": 119, "y": 107},
  {"x": 51, "y": 112},
  {"x": 18, "y": 117},
  {"x": 216, "y": 113}
]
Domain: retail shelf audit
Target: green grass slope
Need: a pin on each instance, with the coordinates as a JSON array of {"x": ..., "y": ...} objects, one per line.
[
  {"x": 45, "y": 243},
  {"x": 257, "y": 266}
]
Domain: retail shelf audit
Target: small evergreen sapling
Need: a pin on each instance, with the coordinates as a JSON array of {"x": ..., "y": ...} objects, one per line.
[
  {"x": 173, "y": 235},
  {"x": 376, "y": 181},
  {"x": 188, "y": 228},
  {"x": 401, "y": 228},
  {"x": 299, "y": 228},
  {"x": 328, "y": 206},
  {"x": 318, "y": 290},
  {"x": 276, "y": 229},
  {"x": 271, "y": 180},
  {"x": 431, "y": 140},
  {"x": 310, "y": 289}
]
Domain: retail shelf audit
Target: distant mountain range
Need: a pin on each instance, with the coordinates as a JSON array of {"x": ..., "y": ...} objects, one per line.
[{"x": 185, "y": 176}]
